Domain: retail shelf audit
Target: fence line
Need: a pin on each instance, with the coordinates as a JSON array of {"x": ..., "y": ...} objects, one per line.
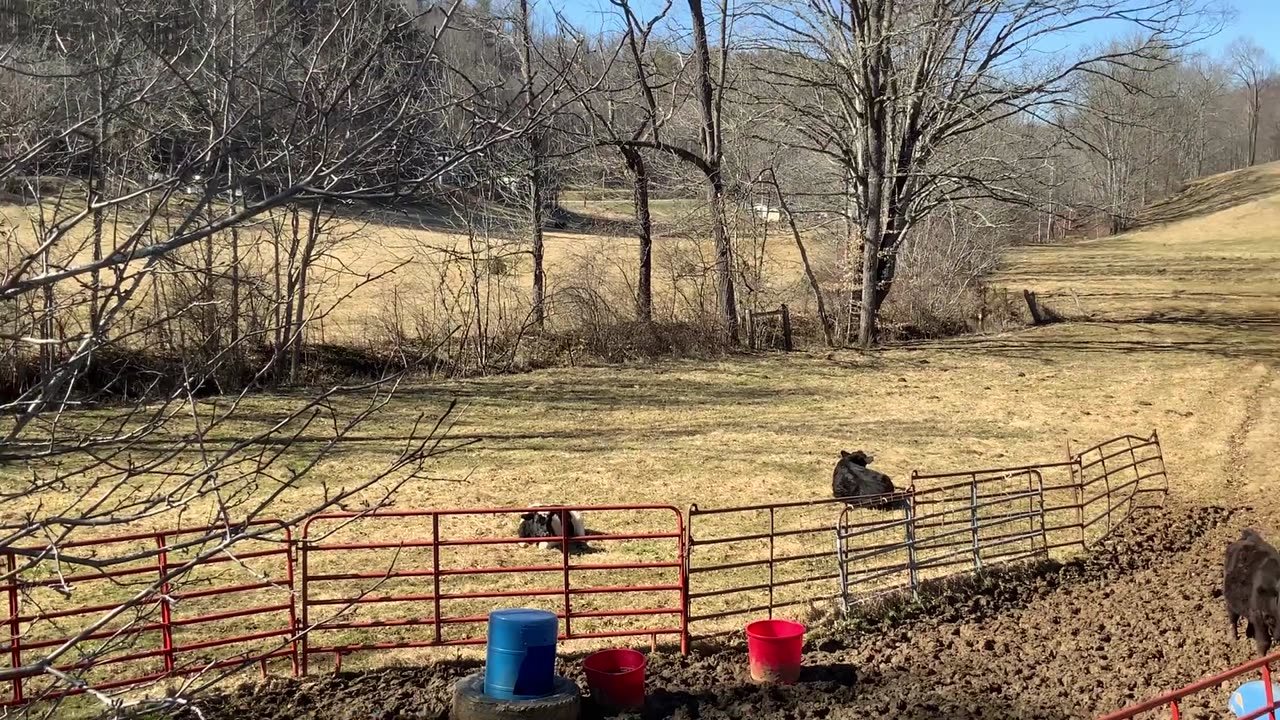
[
  {"x": 449, "y": 561},
  {"x": 410, "y": 559},
  {"x": 972, "y": 520},
  {"x": 145, "y": 644},
  {"x": 784, "y": 565}
]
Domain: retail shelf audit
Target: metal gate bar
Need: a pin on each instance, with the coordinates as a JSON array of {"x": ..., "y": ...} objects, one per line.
[{"x": 311, "y": 548}]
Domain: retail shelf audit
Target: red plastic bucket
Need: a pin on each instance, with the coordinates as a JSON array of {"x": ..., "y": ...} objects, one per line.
[
  {"x": 774, "y": 649},
  {"x": 616, "y": 678}
]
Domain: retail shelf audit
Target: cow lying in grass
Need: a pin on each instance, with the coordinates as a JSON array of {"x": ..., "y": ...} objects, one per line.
[
  {"x": 1251, "y": 587},
  {"x": 853, "y": 479},
  {"x": 546, "y": 524}
]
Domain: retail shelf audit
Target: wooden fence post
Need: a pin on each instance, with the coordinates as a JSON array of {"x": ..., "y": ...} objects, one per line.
[
  {"x": 1033, "y": 306},
  {"x": 786, "y": 328}
]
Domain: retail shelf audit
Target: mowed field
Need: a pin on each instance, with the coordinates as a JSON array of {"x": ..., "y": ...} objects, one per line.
[{"x": 1175, "y": 328}]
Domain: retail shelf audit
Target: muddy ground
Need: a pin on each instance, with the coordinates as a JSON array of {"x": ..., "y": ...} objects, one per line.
[{"x": 1141, "y": 615}]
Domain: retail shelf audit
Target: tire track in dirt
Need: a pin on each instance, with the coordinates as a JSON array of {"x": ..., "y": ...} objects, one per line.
[{"x": 1237, "y": 455}]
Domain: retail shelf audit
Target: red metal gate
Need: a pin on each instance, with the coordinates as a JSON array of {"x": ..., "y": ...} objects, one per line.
[
  {"x": 146, "y": 644},
  {"x": 1174, "y": 700},
  {"x": 428, "y": 576}
]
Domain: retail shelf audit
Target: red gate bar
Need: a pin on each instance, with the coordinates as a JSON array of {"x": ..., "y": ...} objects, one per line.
[
  {"x": 310, "y": 549},
  {"x": 1172, "y": 700},
  {"x": 169, "y": 652}
]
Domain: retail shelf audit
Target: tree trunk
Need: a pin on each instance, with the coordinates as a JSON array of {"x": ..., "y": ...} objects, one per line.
[
  {"x": 870, "y": 309},
  {"x": 209, "y": 312},
  {"x": 828, "y": 330},
  {"x": 535, "y": 152},
  {"x": 231, "y": 185},
  {"x": 715, "y": 182},
  {"x": 644, "y": 230},
  {"x": 872, "y": 152},
  {"x": 872, "y": 242},
  {"x": 1255, "y": 109},
  {"x": 290, "y": 289},
  {"x": 97, "y": 192},
  {"x": 278, "y": 316},
  {"x": 535, "y": 232},
  {"x": 300, "y": 291},
  {"x": 235, "y": 292},
  {"x": 724, "y": 257}
]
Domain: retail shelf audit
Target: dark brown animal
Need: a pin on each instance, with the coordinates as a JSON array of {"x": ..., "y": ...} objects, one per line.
[
  {"x": 1251, "y": 587},
  {"x": 852, "y": 479}
]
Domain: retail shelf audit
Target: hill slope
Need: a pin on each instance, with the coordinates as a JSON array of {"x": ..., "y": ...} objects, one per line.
[{"x": 1209, "y": 257}]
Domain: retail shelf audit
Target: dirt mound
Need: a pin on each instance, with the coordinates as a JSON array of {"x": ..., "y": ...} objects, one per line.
[{"x": 1140, "y": 615}]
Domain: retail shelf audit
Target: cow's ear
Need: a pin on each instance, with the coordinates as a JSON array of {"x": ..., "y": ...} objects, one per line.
[
  {"x": 844, "y": 454},
  {"x": 528, "y": 516}
]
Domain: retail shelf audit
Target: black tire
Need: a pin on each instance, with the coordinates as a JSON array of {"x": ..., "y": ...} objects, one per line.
[{"x": 470, "y": 702}]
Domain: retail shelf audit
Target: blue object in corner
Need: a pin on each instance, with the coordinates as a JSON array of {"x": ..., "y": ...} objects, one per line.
[
  {"x": 1252, "y": 697},
  {"x": 520, "y": 660}
]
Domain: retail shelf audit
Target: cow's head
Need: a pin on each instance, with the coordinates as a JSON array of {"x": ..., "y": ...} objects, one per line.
[{"x": 857, "y": 457}]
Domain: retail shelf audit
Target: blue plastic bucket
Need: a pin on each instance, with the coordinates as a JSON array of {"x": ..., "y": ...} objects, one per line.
[
  {"x": 1252, "y": 697},
  {"x": 520, "y": 661}
]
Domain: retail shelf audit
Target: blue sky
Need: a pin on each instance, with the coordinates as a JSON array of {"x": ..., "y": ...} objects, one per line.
[{"x": 1258, "y": 19}]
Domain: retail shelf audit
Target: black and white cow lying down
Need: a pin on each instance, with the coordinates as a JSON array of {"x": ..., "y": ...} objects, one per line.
[
  {"x": 852, "y": 479},
  {"x": 546, "y": 524}
]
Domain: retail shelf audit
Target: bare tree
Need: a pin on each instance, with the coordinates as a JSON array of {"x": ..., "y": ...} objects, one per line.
[
  {"x": 1252, "y": 68},
  {"x": 636, "y": 38},
  {"x": 534, "y": 159},
  {"x": 710, "y": 101},
  {"x": 889, "y": 86},
  {"x": 709, "y": 83},
  {"x": 170, "y": 142}
]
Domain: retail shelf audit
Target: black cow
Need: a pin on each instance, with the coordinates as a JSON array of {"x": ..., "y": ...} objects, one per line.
[
  {"x": 546, "y": 524},
  {"x": 853, "y": 479},
  {"x": 1251, "y": 587}
]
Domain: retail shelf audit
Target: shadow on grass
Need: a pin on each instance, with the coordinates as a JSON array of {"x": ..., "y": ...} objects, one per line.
[
  {"x": 502, "y": 219},
  {"x": 1236, "y": 337}
]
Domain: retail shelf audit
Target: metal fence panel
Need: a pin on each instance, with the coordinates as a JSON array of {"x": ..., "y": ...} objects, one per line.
[
  {"x": 232, "y": 608},
  {"x": 429, "y": 578},
  {"x": 764, "y": 558},
  {"x": 785, "y": 561},
  {"x": 422, "y": 578}
]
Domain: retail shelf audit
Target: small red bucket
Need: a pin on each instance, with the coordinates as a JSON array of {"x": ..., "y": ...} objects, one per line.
[
  {"x": 774, "y": 649},
  {"x": 616, "y": 678}
]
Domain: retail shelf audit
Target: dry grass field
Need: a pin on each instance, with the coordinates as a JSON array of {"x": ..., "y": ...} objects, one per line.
[
  {"x": 1174, "y": 327},
  {"x": 384, "y": 273}
]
